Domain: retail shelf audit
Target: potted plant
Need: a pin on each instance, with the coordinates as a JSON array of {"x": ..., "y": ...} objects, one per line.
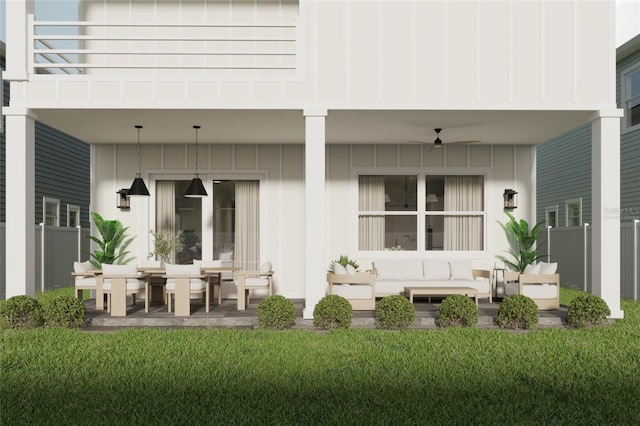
[
  {"x": 165, "y": 243},
  {"x": 113, "y": 242},
  {"x": 522, "y": 240}
]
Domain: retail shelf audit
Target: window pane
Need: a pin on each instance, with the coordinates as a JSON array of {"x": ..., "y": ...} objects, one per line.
[
  {"x": 435, "y": 193},
  {"x": 224, "y": 217},
  {"x": 434, "y": 226},
  {"x": 401, "y": 193},
  {"x": 51, "y": 214},
  {"x": 73, "y": 218},
  {"x": 463, "y": 233},
  {"x": 400, "y": 233}
]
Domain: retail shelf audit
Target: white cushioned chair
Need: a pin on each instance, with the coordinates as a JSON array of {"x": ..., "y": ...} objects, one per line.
[
  {"x": 252, "y": 280},
  {"x": 538, "y": 282},
  {"x": 214, "y": 279},
  {"x": 85, "y": 278},
  {"x": 135, "y": 283},
  {"x": 198, "y": 284}
]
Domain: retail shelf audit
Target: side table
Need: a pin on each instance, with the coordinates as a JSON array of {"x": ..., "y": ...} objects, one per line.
[{"x": 498, "y": 293}]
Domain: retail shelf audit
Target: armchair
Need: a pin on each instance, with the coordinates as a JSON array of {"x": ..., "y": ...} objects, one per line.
[
  {"x": 251, "y": 280},
  {"x": 539, "y": 282}
]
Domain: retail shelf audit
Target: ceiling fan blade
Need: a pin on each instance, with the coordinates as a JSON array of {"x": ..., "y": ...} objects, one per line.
[
  {"x": 433, "y": 147},
  {"x": 419, "y": 142},
  {"x": 460, "y": 142}
]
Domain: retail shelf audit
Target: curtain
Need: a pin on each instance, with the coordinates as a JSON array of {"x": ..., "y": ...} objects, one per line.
[
  {"x": 371, "y": 198},
  {"x": 463, "y": 193},
  {"x": 166, "y": 209},
  {"x": 247, "y": 232}
]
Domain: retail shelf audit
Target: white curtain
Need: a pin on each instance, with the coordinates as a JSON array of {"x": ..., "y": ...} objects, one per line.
[
  {"x": 247, "y": 232},
  {"x": 166, "y": 209},
  {"x": 463, "y": 193},
  {"x": 371, "y": 198}
]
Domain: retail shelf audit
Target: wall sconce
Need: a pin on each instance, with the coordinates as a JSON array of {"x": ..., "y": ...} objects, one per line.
[
  {"x": 123, "y": 199},
  {"x": 510, "y": 199}
]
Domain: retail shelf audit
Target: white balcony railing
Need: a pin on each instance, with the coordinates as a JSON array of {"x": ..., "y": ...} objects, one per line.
[{"x": 167, "y": 50}]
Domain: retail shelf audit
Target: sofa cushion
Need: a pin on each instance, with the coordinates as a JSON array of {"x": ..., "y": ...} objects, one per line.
[
  {"x": 436, "y": 269},
  {"x": 412, "y": 269},
  {"x": 460, "y": 270},
  {"x": 388, "y": 269}
]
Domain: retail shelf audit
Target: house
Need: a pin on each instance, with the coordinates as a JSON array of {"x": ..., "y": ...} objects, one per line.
[
  {"x": 564, "y": 193},
  {"x": 61, "y": 179},
  {"x": 317, "y": 122}
]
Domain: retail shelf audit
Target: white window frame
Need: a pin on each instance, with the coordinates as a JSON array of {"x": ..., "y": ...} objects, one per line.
[
  {"x": 624, "y": 98},
  {"x": 50, "y": 201},
  {"x": 567, "y": 204},
  {"x": 76, "y": 209},
  {"x": 421, "y": 212},
  {"x": 551, "y": 209}
]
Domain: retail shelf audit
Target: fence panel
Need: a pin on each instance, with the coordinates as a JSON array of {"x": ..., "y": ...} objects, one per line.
[
  {"x": 61, "y": 250},
  {"x": 629, "y": 259},
  {"x": 567, "y": 247}
]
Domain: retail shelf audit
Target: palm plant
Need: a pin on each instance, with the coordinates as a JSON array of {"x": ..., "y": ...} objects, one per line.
[
  {"x": 113, "y": 243},
  {"x": 522, "y": 239}
]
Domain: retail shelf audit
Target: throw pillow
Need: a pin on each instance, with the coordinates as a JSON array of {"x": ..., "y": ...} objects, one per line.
[
  {"x": 226, "y": 256},
  {"x": 351, "y": 270},
  {"x": 338, "y": 269},
  {"x": 532, "y": 269},
  {"x": 461, "y": 270},
  {"x": 548, "y": 268},
  {"x": 82, "y": 266},
  {"x": 265, "y": 267}
]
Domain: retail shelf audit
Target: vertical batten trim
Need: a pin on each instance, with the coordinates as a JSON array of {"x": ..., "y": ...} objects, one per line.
[
  {"x": 315, "y": 65},
  {"x": 412, "y": 83},
  {"x": 445, "y": 58},
  {"x": 509, "y": 54},
  {"x": 574, "y": 30},
  {"x": 478, "y": 68},
  {"x": 542, "y": 53},
  {"x": 348, "y": 42},
  {"x": 380, "y": 50}
]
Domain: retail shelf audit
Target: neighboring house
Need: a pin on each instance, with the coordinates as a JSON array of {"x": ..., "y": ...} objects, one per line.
[
  {"x": 564, "y": 163},
  {"x": 310, "y": 112},
  {"x": 61, "y": 193}
]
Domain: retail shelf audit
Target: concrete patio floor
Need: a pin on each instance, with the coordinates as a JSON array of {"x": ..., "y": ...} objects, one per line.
[{"x": 226, "y": 315}]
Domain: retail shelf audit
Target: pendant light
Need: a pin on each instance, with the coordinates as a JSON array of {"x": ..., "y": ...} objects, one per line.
[
  {"x": 138, "y": 187},
  {"x": 196, "y": 188}
]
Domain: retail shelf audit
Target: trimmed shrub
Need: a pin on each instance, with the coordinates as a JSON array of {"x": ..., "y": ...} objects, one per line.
[
  {"x": 517, "y": 312},
  {"x": 587, "y": 310},
  {"x": 332, "y": 312},
  {"x": 457, "y": 311},
  {"x": 65, "y": 312},
  {"x": 21, "y": 312},
  {"x": 276, "y": 312},
  {"x": 395, "y": 313}
]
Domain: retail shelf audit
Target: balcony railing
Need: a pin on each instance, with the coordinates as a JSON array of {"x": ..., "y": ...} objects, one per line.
[{"x": 166, "y": 50}]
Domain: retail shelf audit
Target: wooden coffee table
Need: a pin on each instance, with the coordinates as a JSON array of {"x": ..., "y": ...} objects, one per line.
[{"x": 410, "y": 292}]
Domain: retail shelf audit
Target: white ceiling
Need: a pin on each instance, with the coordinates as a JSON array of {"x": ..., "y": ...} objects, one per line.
[{"x": 288, "y": 126}]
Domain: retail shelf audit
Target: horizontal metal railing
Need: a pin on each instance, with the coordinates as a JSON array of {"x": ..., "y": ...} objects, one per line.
[{"x": 121, "y": 48}]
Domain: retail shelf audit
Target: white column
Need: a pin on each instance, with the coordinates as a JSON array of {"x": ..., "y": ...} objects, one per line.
[
  {"x": 605, "y": 188},
  {"x": 315, "y": 244},
  {"x": 17, "y": 41},
  {"x": 20, "y": 243}
]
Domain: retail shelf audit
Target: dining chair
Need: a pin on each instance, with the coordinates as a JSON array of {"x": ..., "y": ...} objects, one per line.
[
  {"x": 182, "y": 282},
  {"x": 133, "y": 282}
]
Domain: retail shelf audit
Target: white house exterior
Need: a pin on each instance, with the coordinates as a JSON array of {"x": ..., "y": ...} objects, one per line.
[{"x": 321, "y": 103}]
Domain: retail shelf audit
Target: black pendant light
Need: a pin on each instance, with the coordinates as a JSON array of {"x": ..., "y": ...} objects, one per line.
[
  {"x": 196, "y": 188},
  {"x": 138, "y": 187}
]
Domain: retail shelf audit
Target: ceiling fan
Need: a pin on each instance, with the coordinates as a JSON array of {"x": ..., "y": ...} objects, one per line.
[{"x": 437, "y": 143}]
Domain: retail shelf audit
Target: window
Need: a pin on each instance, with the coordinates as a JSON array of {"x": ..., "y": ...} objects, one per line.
[
  {"x": 551, "y": 214},
  {"x": 51, "y": 211},
  {"x": 73, "y": 216},
  {"x": 411, "y": 212},
  {"x": 574, "y": 212},
  {"x": 631, "y": 96}
]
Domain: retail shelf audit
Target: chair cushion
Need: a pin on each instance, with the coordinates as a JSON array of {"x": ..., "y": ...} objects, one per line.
[
  {"x": 181, "y": 270},
  {"x": 534, "y": 291},
  {"x": 266, "y": 267},
  {"x": 208, "y": 263},
  {"x": 85, "y": 282},
  {"x": 82, "y": 266},
  {"x": 256, "y": 282},
  {"x": 226, "y": 256},
  {"x": 131, "y": 269},
  {"x": 195, "y": 284},
  {"x": 460, "y": 270}
]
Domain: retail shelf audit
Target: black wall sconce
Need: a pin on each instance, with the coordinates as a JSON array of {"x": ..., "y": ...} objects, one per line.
[
  {"x": 123, "y": 199},
  {"x": 510, "y": 199}
]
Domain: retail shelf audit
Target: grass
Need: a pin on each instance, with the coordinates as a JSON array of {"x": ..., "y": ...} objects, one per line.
[{"x": 346, "y": 377}]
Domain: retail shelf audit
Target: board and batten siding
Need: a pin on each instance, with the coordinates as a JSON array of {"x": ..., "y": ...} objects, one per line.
[
  {"x": 62, "y": 172},
  {"x": 564, "y": 173}
]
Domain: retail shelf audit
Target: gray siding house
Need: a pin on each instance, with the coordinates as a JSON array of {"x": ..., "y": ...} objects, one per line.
[{"x": 564, "y": 163}]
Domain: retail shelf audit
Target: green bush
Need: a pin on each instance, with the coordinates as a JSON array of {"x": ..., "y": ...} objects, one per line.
[
  {"x": 276, "y": 312},
  {"x": 332, "y": 312},
  {"x": 65, "y": 312},
  {"x": 517, "y": 312},
  {"x": 395, "y": 313},
  {"x": 457, "y": 310},
  {"x": 21, "y": 312},
  {"x": 587, "y": 310}
]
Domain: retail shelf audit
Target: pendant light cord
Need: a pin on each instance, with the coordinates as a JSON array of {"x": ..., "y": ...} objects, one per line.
[
  {"x": 196, "y": 127},
  {"x": 138, "y": 170}
]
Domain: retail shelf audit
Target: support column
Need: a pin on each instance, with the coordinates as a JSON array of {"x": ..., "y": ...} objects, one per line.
[
  {"x": 315, "y": 223},
  {"x": 20, "y": 246},
  {"x": 605, "y": 213}
]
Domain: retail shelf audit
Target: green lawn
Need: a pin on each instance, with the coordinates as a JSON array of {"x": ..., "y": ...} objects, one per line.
[{"x": 451, "y": 376}]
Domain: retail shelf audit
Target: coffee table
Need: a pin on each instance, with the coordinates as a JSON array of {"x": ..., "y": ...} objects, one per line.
[{"x": 410, "y": 292}]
